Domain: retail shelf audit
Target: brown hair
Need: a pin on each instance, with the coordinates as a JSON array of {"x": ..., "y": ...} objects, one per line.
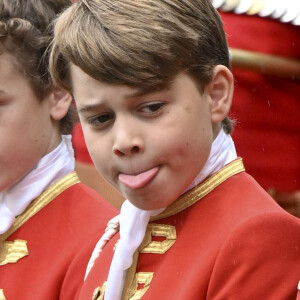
[
  {"x": 25, "y": 33},
  {"x": 140, "y": 43}
]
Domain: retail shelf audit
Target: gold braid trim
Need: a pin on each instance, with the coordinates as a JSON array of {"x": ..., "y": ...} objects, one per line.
[
  {"x": 2, "y": 297},
  {"x": 144, "y": 278},
  {"x": 45, "y": 198},
  {"x": 162, "y": 230},
  {"x": 11, "y": 252},
  {"x": 201, "y": 190},
  {"x": 268, "y": 64},
  {"x": 98, "y": 292}
]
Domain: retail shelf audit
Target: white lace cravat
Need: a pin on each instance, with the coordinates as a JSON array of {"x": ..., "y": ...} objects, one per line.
[
  {"x": 52, "y": 167},
  {"x": 134, "y": 221}
]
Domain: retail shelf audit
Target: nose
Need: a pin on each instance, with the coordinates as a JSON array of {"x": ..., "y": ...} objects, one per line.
[{"x": 127, "y": 141}]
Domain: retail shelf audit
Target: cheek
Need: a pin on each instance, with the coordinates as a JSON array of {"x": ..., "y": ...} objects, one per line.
[
  {"x": 181, "y": 143},
  {"x": 100, "y": 153},
  {"x": 174, "y": 151},
  {"x": 193, "y": 149},
  {"x": 23, "y": 159}
]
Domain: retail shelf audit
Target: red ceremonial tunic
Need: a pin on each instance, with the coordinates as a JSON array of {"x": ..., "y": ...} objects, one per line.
[
  {"x": 224, "y": 239},
  {"x": 43, "y": 243}
]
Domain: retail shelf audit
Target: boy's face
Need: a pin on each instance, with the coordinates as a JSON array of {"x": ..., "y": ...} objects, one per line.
[
  {"x": 25, "y": 125},
  {"x": 149, "y": 146}
]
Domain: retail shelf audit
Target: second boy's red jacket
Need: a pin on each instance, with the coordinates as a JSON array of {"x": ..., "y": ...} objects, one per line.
[{"x": 36, "y": 254}]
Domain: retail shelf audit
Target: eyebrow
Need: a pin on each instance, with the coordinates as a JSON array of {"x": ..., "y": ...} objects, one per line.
[
  {"x": 150, "y": 90},
  {"x": 94, "y": 107},
  {"x": 138, "y": 93},
  {"x": 88, "y": 108}
]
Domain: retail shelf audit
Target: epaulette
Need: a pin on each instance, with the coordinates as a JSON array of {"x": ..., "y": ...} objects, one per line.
[{"x": 287, "y": 11}]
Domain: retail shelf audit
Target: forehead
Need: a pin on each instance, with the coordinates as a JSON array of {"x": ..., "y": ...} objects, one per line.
[
  {"x": 86, "y": 87},
  {"x": 83, "y": 85},
  {"x": 9, "y": 71},
  {"x": 13, "y": 82}
]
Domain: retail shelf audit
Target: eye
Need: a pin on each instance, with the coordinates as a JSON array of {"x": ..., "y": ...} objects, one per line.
[
  {"x": 101, "y": 120},
  {"x": 152, "y": 108}
]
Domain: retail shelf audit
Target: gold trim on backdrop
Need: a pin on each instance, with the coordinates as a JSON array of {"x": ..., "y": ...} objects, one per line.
[
  {"x": 230, "y": 5},
  {"x": 162, "y": 230},
  {"x": 11, "y": 252},
  {"x": 256, "y": 7},
  {"x": 202, "y": 189},
  {"x": 45, "y": 198},
  {"x": 266, "y": 63},
  {"x": 2, "y": 297}
]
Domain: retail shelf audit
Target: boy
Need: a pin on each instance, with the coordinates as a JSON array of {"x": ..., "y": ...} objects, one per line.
[
  {"x": 153, "y": 90},
  {"x": 46, "y": 214}
]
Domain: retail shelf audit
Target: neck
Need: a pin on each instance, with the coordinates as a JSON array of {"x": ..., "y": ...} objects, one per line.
[
  {"x": 49, "y": 169},
  {"x": 222, "y": 152}
]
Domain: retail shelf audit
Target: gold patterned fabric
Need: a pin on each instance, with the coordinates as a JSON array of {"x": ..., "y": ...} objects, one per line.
[
  {"x": 11, "y": 252},
  {"x": 159, "y": 247}
]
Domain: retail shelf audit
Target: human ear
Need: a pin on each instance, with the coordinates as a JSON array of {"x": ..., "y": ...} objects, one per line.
[
  {"x": 220, "y": 90},
  {"x": 60, "y": 101}
]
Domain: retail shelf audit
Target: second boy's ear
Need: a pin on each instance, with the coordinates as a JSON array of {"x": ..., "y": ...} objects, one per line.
[
  {"x": 220, "y": 90},
  {"x": 59, "y": 103}
]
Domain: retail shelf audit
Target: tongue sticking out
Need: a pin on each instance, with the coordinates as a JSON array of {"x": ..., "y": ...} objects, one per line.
[{"x": 139, "y": 180}]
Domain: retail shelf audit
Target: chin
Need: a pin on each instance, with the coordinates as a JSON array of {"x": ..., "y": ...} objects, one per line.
[
  {"x": 141, "y": 204},
  {"x": 149, "y": 200},
  {"x": 146, "y": 204}
]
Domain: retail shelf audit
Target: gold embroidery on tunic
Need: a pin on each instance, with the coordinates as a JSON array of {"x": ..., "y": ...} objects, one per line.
[
  {"x": 147, "y": 246},
  {"x": 145, "y": 279},
  {"x": 183, "y": 202},
  {"x": 45, "y": 198},
  {"x": 130, "y": 280},
  {"x": 162, "y": 230},
  {"x": 11, "y": 252},
  {"x": 201, "y": 190},
  {"x": 2, "y": 297},
  {"x": 99, "y": 292}
]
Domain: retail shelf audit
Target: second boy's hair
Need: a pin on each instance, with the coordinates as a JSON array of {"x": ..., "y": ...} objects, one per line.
[
  {"x": 25, "y": 34},
  {"x": 143, "y": 43}
]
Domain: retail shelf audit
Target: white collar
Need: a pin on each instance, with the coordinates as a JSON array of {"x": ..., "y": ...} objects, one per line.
[{"x": 49, "y": 169}]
